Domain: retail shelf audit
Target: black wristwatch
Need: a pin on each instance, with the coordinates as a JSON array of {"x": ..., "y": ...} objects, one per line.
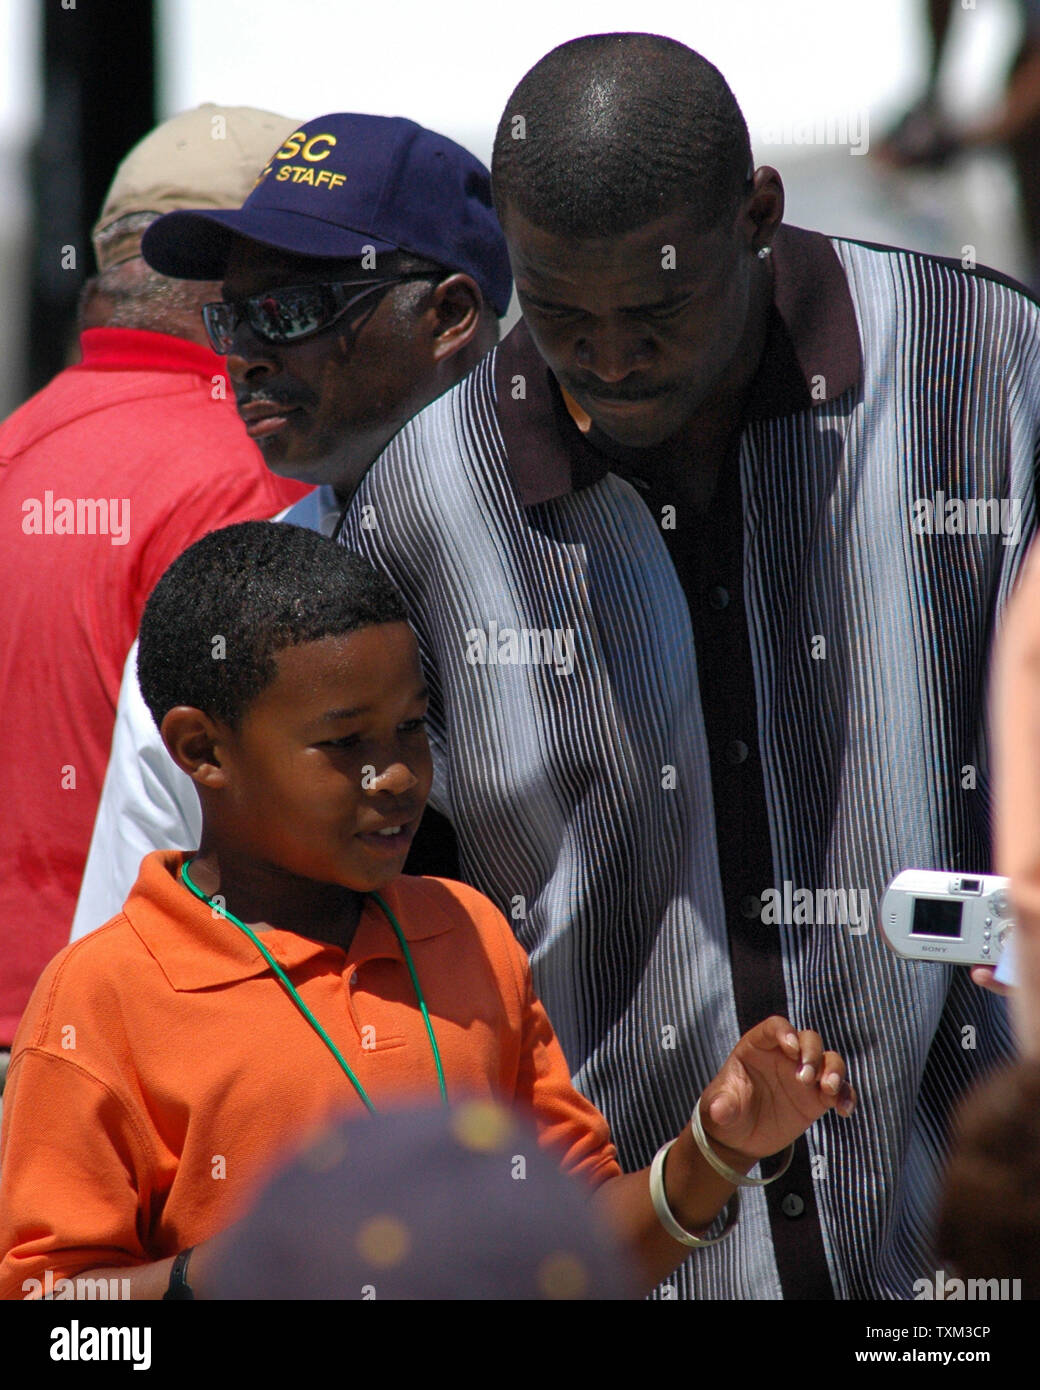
[{"x": 179, "y": 1286}]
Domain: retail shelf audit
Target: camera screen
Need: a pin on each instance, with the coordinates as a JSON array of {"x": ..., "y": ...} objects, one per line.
[{"x": 936, "y": 917}]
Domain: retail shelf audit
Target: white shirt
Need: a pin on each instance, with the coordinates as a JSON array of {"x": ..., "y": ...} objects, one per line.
[{"x": 147, "y": 802}]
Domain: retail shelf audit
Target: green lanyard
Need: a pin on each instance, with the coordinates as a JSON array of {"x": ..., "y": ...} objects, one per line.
[{"x": 290, "y": 988}]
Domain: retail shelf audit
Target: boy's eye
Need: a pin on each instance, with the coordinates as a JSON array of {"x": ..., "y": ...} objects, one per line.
[{"x": 410, "y": 726}]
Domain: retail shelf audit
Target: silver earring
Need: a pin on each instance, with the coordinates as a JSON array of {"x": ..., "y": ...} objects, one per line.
[{"x": 764, "y": 251}]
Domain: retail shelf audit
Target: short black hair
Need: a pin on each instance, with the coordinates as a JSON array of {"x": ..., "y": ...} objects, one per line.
[
  {"x": 611, "y": 131},
  {"x": 260, "y": 586}
]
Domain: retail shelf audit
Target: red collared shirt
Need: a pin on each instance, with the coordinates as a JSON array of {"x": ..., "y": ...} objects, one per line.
[{"x": 106, "y": 475}]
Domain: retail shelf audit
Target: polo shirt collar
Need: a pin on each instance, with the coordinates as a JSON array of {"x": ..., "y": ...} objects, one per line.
[
  {"x": 196, "y": 950},
  {"x": 812, "y": 355},
  {"x": 139, "y": 350}
]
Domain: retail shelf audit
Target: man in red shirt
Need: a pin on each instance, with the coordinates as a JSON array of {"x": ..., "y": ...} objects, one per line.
[{"x": 106, "y": 475}]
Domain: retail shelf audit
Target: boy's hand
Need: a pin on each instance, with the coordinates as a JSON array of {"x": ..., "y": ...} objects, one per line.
[
  {"x": 773, "y": 1085},
  {"x": 771, "y": 1088}
]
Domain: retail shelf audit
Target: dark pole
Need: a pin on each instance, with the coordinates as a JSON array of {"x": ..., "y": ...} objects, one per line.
[{"x": 98, "y": 84}]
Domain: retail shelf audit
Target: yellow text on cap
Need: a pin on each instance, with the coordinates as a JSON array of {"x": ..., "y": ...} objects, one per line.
[{"x": 299, "y": 144}]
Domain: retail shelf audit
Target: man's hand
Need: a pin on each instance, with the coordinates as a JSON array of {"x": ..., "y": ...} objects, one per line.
[
  {"x": 983, "y": 976},
  {"x": 775, "y": 1083}
]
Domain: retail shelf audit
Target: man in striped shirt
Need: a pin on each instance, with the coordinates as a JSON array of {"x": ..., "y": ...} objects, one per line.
[{"x": 705, "y": 561}]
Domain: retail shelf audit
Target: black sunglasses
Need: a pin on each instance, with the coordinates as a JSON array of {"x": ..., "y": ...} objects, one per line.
[{"x": 292, "y": 312}]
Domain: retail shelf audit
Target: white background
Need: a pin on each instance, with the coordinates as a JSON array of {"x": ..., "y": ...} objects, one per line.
[{"x": 452, "y": 67}]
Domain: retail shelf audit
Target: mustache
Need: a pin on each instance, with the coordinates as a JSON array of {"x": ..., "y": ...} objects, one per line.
[{"x": 288, "y": 400}]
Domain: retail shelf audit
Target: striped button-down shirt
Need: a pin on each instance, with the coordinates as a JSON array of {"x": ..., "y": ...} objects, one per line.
[{"x": 685, "y": 752}]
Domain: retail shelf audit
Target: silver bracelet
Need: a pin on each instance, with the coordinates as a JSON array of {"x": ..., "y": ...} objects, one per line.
[
  {"x": 664, "y": 1211},
  {"x": 723, "y": 1169}
]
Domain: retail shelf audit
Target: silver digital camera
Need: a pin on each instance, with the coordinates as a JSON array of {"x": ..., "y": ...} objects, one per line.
[{"x": 960, "y": 919}]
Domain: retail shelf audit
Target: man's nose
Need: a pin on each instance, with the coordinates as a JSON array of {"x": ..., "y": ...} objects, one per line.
[
  {"x": 249, "y": 359},
  {"x": 612, "y": 353},
  {"x": 396, "y": 779}
]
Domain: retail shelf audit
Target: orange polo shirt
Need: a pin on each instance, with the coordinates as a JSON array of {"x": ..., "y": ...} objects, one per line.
[{"x": 160, "y": 1066}]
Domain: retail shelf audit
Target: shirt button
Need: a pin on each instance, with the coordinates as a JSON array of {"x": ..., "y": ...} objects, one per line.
[
  {"x": 353, "y": 980},
  {"x": 751, "y": 906},
  {"x": 718, "y": 597},
  {"x": 792, "y": 1205},
  {"x": 736, "y": 752}
]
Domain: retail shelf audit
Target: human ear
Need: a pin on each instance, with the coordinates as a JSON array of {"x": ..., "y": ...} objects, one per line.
[
  {"x": 456, "y": 304},
  {"x": 193, "y": 741},
  {"x": 762, "y": 210}
]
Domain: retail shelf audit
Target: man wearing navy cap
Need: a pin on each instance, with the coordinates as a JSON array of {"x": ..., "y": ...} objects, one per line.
[
  {"x": 363, "y": 276},
  {"x": 371, "y": 224}
]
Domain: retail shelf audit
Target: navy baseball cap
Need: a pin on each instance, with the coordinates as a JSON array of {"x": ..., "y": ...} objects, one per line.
[
  {"x": 342, "y": 186},
  {"x": 423, "y": 1204}
]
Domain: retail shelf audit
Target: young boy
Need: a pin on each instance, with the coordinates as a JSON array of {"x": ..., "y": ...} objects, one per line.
[{"x": 286, "y": 970}]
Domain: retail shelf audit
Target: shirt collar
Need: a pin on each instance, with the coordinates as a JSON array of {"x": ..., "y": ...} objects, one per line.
[
  {"x": 138, "y": 350},
  {"x": 197, "y": 950},
  {"x": 320, "y": 510},
  {"x": 812, "y": 355}
]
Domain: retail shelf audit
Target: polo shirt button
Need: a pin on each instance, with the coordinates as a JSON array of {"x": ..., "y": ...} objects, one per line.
[
  {"x": 353, "y": 980},
  {"x": 718, "y": 597},
  {"x": 792, "y": 1206},
  {"x": 751, "y": 906},
  {"x": 736, "y": 752}
]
